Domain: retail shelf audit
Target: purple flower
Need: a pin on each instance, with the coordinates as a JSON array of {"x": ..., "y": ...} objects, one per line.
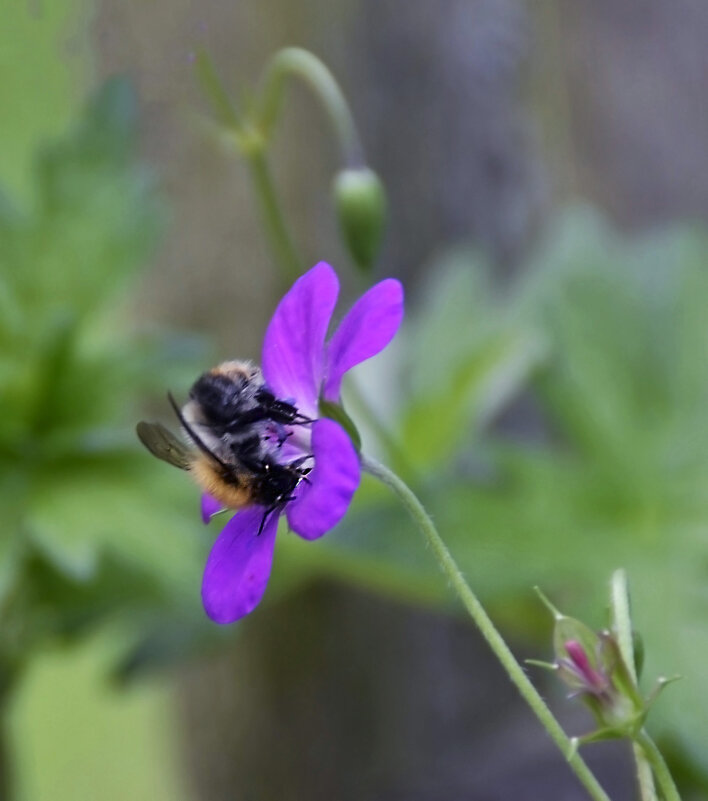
[
  {"x": 301, "y": 367},
  {"x": 592, "y": 666},
  {"x": 583, "y": 674}
]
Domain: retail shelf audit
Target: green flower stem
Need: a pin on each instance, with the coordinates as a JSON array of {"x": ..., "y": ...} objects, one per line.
[
  {"x": 294, "y": 61},
  {"x": 659, "y": 766},
  {"x": 252, "y": 143},
  {"x": 619, "y": 592},
  {"x": 277, "y": 233},
  {"x": 486, "y": 627}
]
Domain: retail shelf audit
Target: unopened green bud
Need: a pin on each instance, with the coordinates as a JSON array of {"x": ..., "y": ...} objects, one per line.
[
  {"x": 360, "y": 201},
  {"x": 590, "y": 663}
]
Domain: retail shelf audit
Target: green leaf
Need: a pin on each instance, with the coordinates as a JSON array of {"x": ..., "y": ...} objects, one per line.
[{"x": 472, "y": 354}]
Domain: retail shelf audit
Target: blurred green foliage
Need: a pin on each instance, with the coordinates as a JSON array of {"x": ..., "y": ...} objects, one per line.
[
  {"x": 82, "y": 538},
  {"x": 45, "y": 61},
  {"x": 78, "y": 739}
]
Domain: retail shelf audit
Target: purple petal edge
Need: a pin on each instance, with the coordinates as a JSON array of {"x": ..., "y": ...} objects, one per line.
[
  {"x": 209, "y": 507},
  {"x": 365, "y": 331},
  {"x": 238, "y": 566},
  {"x": 323, "y": 502},
  {"x": 293, "y": 347}
]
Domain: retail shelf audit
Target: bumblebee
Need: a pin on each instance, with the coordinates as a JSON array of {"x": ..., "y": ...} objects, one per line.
[
  {"x": 237, "y": 428},
  {"x": 232, "y": 410}
]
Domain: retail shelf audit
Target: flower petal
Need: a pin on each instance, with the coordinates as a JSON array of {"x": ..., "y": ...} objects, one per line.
[
  {"x": 293, "y": 348},
  {"x": 323, "y": 502},
  {"x": 238, "y": 566},
  {"x": 210, "y": 507},
  {"x": 367, "y": 328}
]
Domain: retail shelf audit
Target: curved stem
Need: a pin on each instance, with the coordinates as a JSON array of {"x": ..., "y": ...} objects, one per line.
[
  {"x": 286, "y": 256},
  {"x": 486, "y": 627},
  {"x": 298, "y": 62},
  {"x": 659, "y": 766},
  {"x": 623, "y": 626}
]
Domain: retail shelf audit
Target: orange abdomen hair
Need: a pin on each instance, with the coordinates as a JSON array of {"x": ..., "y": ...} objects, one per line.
[{"x": 231, "y": 495}]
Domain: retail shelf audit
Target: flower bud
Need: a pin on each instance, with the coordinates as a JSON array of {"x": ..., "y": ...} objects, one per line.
[
  {"x": 598, "y": 676},
  {"x": 591, "y": 665},
  {"x": 360, "y": 201}
]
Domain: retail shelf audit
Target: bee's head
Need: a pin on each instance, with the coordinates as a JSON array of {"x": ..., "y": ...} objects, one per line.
[{"x": 277, "y": 482}]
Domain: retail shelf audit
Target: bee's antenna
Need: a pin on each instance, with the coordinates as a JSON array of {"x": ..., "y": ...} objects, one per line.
[{"x": 193, "y": 435}]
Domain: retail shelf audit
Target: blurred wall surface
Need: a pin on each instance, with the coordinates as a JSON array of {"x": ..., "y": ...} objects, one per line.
[{"x": 635, "y": 74}]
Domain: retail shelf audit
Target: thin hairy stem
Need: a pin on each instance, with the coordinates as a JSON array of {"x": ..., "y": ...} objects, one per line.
[
  {"x": 293, "y": 61},
  {"x": 486, "y": 627},
  {"x": 285, "y": 253},
  {"x": 659, "y": 766}
]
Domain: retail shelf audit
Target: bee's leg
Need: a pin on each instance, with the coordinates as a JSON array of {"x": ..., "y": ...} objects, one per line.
[
  {"x": 301, "y": 473},
  {"x": 268, "y": 512},
  {"x": 295, "y": 465},
  {"x": 280, "y": 411},
  {"x": 245, "y": 419}
]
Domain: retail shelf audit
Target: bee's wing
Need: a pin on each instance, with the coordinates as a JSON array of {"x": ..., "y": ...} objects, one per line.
[{"x": 164, "y": 444}]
